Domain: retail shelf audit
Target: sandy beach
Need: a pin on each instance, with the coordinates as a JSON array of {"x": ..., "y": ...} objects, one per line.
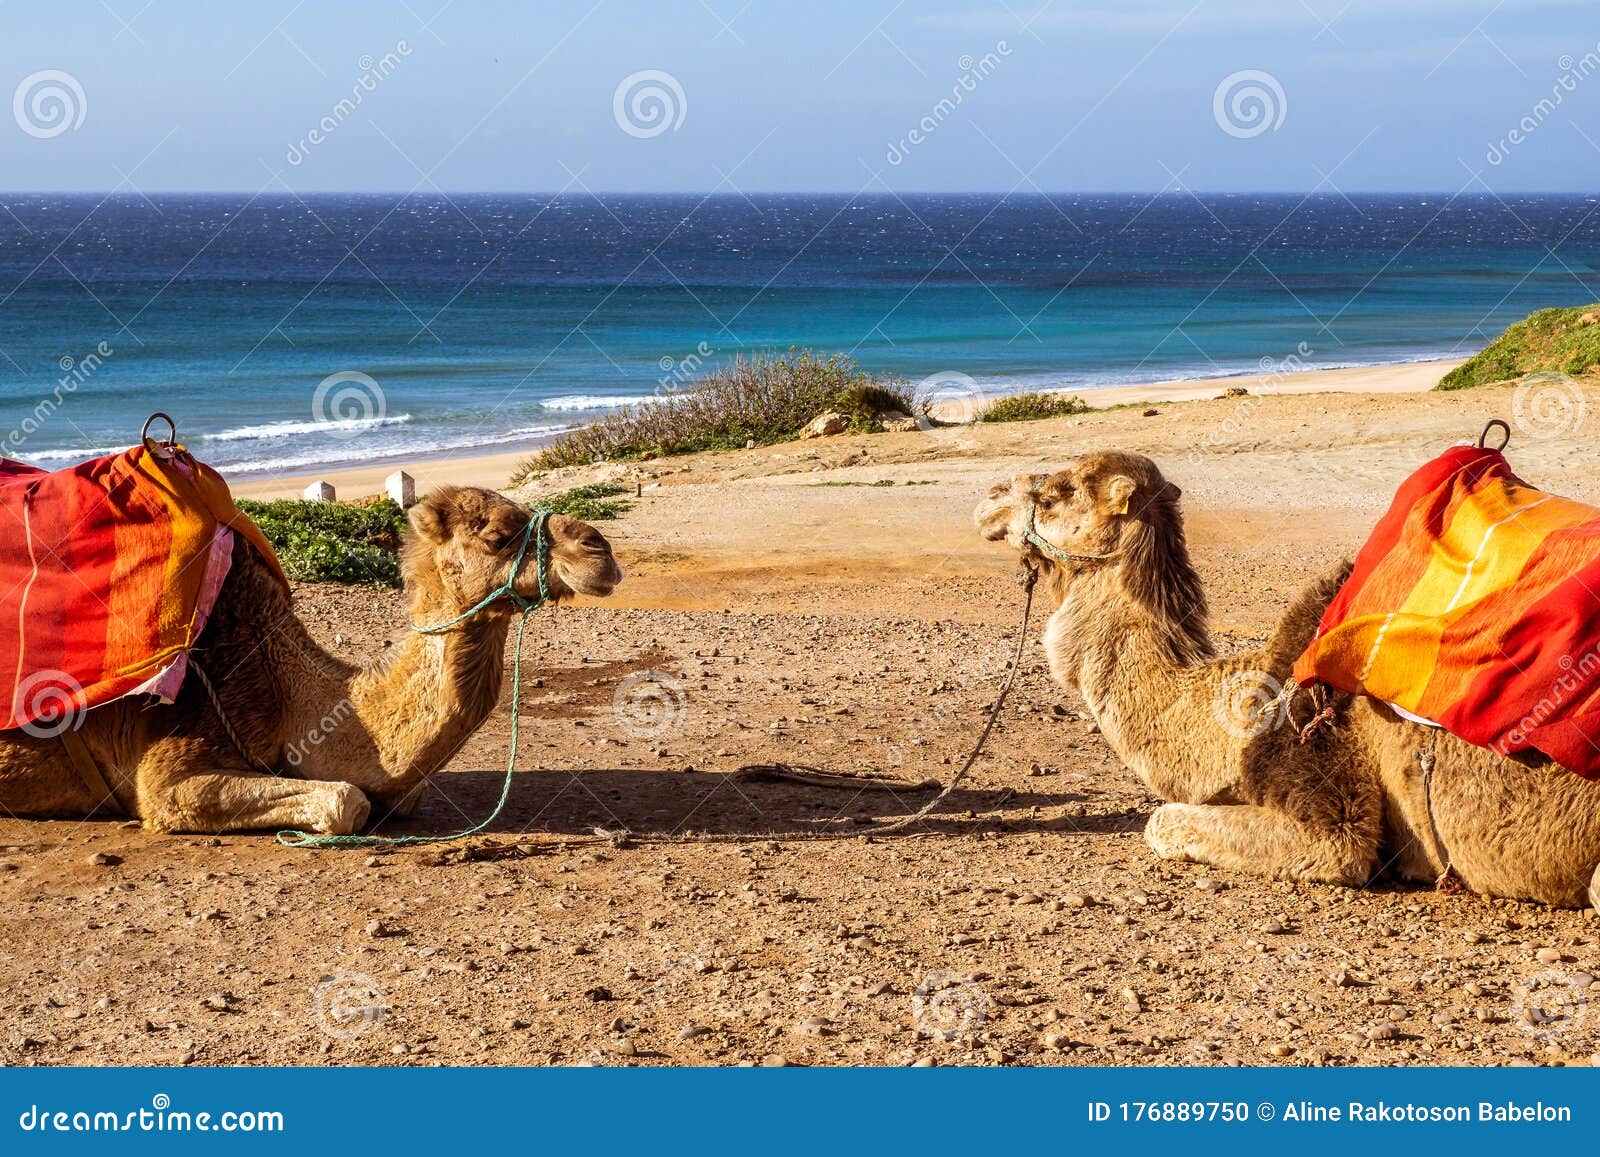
[
  {"x": 493, "y": 470},
  {"x": 826, "y": 603}
]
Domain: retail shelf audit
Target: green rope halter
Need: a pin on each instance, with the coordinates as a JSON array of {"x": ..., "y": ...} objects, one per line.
[
  {"x": 534, "y": 535},
  {"x": 1033, "y": 537}
]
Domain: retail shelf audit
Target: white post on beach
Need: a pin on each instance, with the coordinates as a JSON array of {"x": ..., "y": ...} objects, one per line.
[
  {"x": 402, "y": 488},
  {"x": 319, "y": 492}
]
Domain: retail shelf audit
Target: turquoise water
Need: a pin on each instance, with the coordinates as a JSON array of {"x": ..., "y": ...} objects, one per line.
[{"x": 448, "y": 324}]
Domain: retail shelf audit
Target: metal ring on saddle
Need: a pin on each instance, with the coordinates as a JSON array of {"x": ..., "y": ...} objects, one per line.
[
  {"x": 1483, "y": 438},
  {"x": 165, "y": 448}
]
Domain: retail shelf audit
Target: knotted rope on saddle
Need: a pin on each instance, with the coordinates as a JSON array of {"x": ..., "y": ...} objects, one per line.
[{"x": 1322, "y": 716}]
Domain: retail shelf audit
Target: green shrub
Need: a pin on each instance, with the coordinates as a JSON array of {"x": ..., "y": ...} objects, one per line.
[
  {"x": 1549, "y": 341},
  {"x": 333, "y": 542},
  {"x": 767, "y": 398},
  {"x": 586, "y": 502},
  {"x": 1030, "y": 407}
]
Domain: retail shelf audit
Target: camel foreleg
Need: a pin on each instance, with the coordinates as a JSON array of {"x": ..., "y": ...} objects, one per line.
[
  {"x": 1260, "y": 841},
  {"x": 248, "y": 801}
]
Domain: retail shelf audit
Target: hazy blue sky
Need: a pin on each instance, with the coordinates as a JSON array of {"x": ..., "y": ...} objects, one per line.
[{"x": 821, "y": 95}]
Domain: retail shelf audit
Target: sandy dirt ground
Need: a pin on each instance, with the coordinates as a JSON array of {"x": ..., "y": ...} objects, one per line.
[{"x": 824, "y": 603}]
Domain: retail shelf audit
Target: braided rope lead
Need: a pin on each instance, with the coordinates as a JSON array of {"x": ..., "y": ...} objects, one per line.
[
  {"x": 623, "y": 838},
  {"x": 534, "y": 534},
  {"x": 1034, "y": 538}
]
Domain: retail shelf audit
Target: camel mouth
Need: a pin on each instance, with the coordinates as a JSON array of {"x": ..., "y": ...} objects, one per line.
[{"x": 595, "y": 577}]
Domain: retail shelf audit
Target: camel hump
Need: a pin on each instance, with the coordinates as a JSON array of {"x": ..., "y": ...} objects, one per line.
[{"x": 1298, "y": 624}]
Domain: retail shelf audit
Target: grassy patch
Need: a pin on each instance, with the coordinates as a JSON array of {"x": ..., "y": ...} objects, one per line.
[
  {"x": 1031, "y": 407},
  {"x": 768, "y": 398},
  {"x": 333, "y": 542},
  {"x": 1549, "y": 341},
  {"x": 874, "y": 485},
  {"x": 594, "y": 503}
]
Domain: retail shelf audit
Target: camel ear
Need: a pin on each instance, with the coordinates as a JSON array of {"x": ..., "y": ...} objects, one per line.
[
  {"x": 1117, "y": 492},
  {"x": 429, "y": 521}
]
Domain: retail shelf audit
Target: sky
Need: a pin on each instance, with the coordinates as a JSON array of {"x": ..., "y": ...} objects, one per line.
[{"x": 748, "y": 96}]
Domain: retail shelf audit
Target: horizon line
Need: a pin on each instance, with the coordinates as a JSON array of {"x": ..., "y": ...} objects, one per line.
[{"x": 594, "y": 194}]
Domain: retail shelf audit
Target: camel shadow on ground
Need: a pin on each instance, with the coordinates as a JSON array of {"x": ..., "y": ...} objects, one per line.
[{"x": 650, "y": 802}]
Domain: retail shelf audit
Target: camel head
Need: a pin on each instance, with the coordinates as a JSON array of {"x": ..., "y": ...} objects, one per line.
[
  {"x": 1107, "y": 504},
  {"x": 464, "y": 540}
]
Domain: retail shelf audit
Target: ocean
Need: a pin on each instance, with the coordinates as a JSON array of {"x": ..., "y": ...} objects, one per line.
[{"x": 286, "y": 333}]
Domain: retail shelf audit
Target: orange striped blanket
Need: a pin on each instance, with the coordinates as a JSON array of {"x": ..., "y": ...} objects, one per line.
[
  {"x": 108, "y": 571},
  {"x": 1476, "y": 605}
]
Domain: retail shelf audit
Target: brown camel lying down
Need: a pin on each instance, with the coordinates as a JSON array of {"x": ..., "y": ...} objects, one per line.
[
  {"x": 346, "y": 738},
  {"x": 1128, "y": 633}
]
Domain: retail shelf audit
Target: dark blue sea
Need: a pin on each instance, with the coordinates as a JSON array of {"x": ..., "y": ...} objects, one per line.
[{"x": 284, "y": 333}]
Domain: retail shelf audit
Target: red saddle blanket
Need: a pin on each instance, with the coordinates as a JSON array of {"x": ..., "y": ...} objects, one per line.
[
  {"x": 108, "y": 571},
  {"x": 1476, "y": 605}
]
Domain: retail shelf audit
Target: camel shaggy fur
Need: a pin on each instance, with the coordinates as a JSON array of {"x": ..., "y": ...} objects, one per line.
[
  {"x": 1128, "y": 633},
  {"x": 345, "y": 738}
]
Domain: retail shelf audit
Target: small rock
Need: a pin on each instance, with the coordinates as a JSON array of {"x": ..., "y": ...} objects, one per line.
[
  {"x": 1056, "y": 1041},
  {"x": 1151, "y": 413},
  {"x": 774, "y": 1061},
  {"x": 1207, "y": 884},
  {"x": 103, "y": 860},
  {"x": 813, "y": 1026},
  {"x": 1274, "y": 927},
  {"x": 599, "y": 994},
  {"x": 625, "y": 1048},
  {"x": 1073, "y": 900},
  {"x": 1472, "y": 937},
  {"x": 376, "y": 929},
  {"x": 693, "y": 1032},
  {"x": 1281, "y": 1050},
  {"x": 922, "y": 1063},
  {"x": 1386, "y": 1031},
  {"x": 825, "y": 425},
  {"x": 1549, "y": 956},
  {"x": 1317, "y": 1056}
]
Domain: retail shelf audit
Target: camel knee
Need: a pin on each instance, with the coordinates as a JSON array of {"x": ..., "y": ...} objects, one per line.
[{"x": 1166, "y": 834}]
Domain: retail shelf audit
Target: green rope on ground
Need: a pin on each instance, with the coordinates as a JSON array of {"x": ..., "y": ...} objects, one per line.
[{"x": 534, "y": 534}]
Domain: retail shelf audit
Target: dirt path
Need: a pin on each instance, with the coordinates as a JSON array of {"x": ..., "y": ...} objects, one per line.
[{"x": 790, "y": 609}]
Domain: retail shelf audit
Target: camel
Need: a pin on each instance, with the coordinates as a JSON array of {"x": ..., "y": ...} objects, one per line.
[
  {"x": 342, "y": 738},
  {"x": 1127, "y": 632}
]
